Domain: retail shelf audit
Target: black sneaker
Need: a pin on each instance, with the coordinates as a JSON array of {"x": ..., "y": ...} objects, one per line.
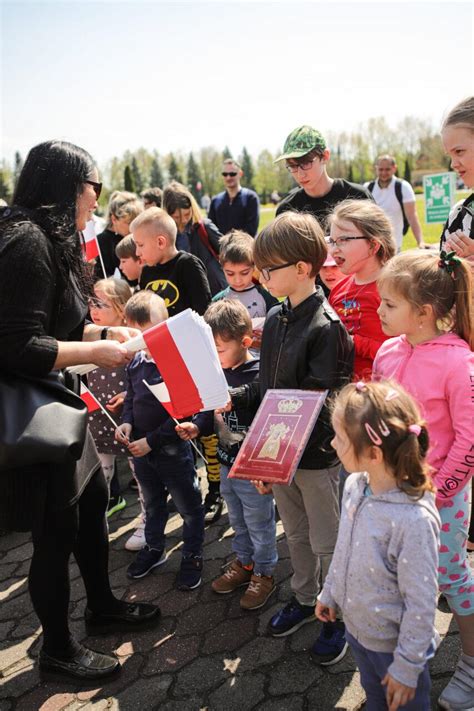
[
  {"x": 290, "y": 618},
  {"x": 331, "y": 645},
  {"x": 189, "y": 576},
  {"x": 213, "y": 504},
  {"x": 116, "y": 503},
  {"x": 147, "y": 559}
]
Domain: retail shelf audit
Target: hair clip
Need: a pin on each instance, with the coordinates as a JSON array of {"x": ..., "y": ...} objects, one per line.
[
  {"x": 360, "y": 386},
  {"x": 415, "y": 429},
  {"x": 374, "y": 436},
  {"x": 447, "y": 260},
  {"x": 391, "y": 395}
]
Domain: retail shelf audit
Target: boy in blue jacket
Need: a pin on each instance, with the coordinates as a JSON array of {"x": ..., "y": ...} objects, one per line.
[{"x": 163, "y": 462}]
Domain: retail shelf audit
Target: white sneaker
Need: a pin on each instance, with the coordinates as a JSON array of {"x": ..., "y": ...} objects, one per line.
[
  {"x": 459, "y": 693},
  {"x": 137, "y": 540}
]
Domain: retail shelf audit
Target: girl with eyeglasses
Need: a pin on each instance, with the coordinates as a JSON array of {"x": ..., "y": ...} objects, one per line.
[
  {"x": 458, "y": 140},
  {"x": 361, "y": 241}
]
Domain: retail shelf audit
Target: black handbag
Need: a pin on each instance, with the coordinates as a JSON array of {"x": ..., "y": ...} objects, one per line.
[{"x": 41, "y": 421}]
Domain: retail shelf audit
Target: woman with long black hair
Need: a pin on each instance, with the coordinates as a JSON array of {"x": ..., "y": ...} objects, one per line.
[{"x": 43, "y": 304}]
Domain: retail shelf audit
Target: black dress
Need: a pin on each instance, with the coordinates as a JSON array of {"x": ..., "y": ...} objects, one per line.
[{"x": 31, "y": 323}]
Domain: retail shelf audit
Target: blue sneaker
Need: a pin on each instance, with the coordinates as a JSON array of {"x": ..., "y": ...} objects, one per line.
[
  {"x": 189, "y": 576},
  {"x": 331, "y": 645},
  {"x": 290, "y": 618},
  {"x": 147, "y": 559}
]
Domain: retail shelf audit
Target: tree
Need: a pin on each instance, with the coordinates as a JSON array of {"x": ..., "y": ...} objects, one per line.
[
  {"x": 226, "y": 153},
  {"x": 173, "y": 169},
  {"x": 137, "y": 176},
  {"x": 156, "y": 176},
  {"x": 17, "y": 167},
  {"x": 407, "y": 171},
  {"x": 211, "y": 166},
  {"x": 128, "y": 181},
  {"x": 266, "y": 179},
  {"x": 247, "y": 168},
  {"x": 194, "y": 178},
  {"x": 350, "y": 174}
]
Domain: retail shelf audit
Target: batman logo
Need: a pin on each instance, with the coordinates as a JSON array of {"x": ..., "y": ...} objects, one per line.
[{"x": 166, "y": 289}]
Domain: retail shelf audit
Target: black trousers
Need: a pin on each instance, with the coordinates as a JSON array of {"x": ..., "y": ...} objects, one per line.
[{"x": 79, "y": 529}]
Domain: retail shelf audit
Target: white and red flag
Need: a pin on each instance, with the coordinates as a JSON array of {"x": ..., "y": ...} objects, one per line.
[
  {"x": 93, "y": 404},
  {"x": 91, "y": 401},
  {"x": 184, "y": 351},
  {"x": 91, "y": 244}
]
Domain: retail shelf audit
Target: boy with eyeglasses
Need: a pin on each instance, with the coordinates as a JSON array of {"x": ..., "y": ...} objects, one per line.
[
  {"x": 304, "y": 346},
  {"x": 236, "y": 207},
  {"x": 307, "y": 155}
]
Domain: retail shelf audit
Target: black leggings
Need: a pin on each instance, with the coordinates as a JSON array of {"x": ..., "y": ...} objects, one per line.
[{"x": 80, "y": 529}]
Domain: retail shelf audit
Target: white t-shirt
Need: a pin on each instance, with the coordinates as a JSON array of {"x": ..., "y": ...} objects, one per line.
[{"x": 387, "y": 200}]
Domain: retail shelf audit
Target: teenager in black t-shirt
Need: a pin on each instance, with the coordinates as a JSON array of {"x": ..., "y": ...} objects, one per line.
[
  {"x": 306, "y": 156},
  {"x": 178, "y": 277}
]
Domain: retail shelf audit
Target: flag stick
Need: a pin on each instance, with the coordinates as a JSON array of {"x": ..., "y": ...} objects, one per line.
[
  {"x": 100, "y": 258},
  {"x": 179, "y": 423},
  {"x": 101, "y": 407}
]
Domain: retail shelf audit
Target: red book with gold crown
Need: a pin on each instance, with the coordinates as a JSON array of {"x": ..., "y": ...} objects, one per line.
[{"x": 278, "y": 435}]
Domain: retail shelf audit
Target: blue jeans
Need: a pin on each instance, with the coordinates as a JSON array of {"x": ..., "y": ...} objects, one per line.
[
  {"x": 252, "y": 516},
  {"x": 373, "y": 666},
  {"x": 171, "y": 469}
]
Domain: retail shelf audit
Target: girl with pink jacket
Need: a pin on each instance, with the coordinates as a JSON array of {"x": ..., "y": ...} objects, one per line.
[{"x": 426, "y": 303}]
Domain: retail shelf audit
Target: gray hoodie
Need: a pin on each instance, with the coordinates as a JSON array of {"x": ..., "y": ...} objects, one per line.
[{"x": 383, "y": 574}]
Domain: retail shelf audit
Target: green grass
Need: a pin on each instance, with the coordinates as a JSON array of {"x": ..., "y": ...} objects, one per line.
[{"x": 431, "y": 233}]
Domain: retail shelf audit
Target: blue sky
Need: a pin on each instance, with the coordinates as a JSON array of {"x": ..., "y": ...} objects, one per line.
[{"x": 178, "y": 76}]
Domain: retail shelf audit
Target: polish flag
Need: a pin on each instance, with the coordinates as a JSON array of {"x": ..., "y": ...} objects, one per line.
[
  {"x": 184, "y": 351},
  {"x": 92, "y": 403},
  {"x": 91, "y": 245},
  {"x": 160, "y": 391}
]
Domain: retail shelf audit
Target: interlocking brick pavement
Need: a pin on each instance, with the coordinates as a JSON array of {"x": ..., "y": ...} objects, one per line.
[{"x": 206, "y": 654}]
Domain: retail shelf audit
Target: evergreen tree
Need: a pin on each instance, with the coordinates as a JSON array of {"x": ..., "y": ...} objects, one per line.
[
  {"x": 156, "y": 176},
  {"x": 17, "y": 167},
  {"x": 173, "y": 169},
  {"x": 194, "y": 177},
  {"x": 137, "y": 176},
  {"x": 407, "y": 171},
  {"x": 247, "y": 168},
  {"x": 350, "y": 174},
  {"x": 226, "y": 153},
  {"x": 128, "y": 181}
]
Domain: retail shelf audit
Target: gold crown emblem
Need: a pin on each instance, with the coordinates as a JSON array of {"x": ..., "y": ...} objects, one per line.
[{"x": 289, "y": 406}]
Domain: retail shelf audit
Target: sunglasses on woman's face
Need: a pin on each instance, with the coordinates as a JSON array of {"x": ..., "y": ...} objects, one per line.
[{"x": 97, "y": 187}]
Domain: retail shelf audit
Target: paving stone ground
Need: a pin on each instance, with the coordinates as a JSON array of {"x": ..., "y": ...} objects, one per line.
[{"x": 206, "y": 653}]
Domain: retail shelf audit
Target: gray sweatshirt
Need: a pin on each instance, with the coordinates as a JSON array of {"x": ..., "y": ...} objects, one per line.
[{"x": 383, "y": 574}]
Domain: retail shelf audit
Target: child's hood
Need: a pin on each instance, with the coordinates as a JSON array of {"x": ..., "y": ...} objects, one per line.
[{"x": 358, "y": 481}]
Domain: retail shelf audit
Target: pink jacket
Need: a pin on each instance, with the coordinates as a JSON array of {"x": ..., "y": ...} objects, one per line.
[{"x": 440, "y": 375}]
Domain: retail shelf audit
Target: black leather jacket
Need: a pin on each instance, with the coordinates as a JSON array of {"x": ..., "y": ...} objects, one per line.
[{"x": 305, "y": 348}]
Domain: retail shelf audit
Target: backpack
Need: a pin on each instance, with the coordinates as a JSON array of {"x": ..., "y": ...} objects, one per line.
[{"x": 398, "y": 194}]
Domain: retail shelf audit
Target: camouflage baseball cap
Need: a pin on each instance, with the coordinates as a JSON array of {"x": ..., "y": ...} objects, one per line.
[{"x": 300, "y": 142}]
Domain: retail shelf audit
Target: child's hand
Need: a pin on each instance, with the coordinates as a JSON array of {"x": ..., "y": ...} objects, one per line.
[
  {"x": 122, "y": 433},
  {"x": 139, "y": 448},
  {"x": 397, "y": 694},
  {"x": 325, "y": 613},
  {"x": 122, "y": 334},
  {"x": 116, "y": 402},
  {"x": 261, "y": 487},
  {"x": 227, "y": 408},
  {"x": 257, "y": 338},
  {"x": 187, "y": 430}
]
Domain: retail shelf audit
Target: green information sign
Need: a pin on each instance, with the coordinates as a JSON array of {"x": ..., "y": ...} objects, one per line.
[{"x": 440, "y": 191}]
